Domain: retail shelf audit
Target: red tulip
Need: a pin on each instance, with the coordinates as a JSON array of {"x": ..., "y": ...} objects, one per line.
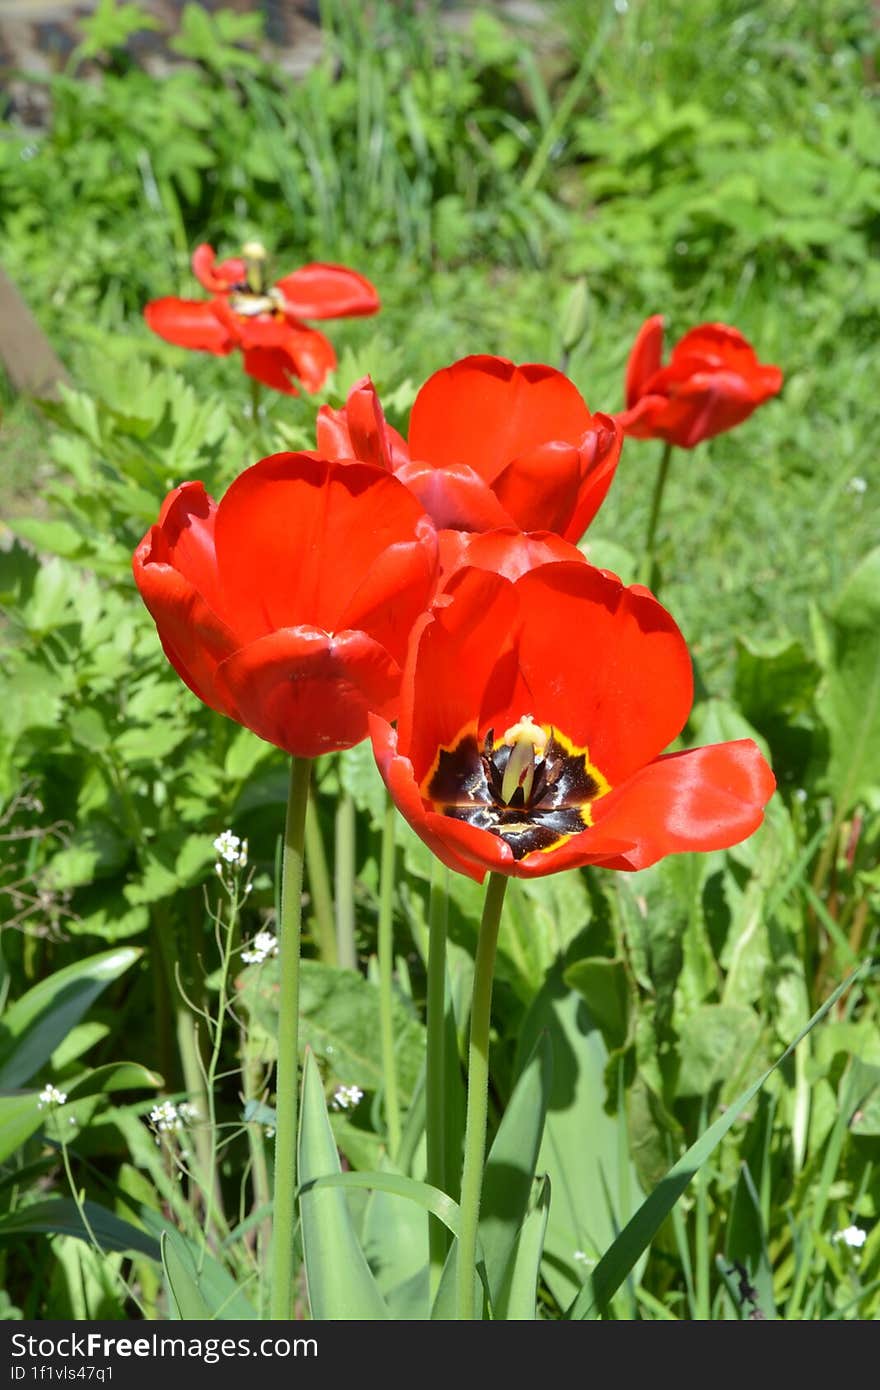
[
  {"x": 490, "y": 445},
  {"x": 289, "y": 606},
  {"x": 265, "y": 322},
  {"x": 713, "y": 381},
  {"x": 533, "y": 715}
]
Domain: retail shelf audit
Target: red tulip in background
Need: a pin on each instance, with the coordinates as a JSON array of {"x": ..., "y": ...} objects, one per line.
[
  {"x": 533, "y": 714},
  {"x": 264, "y": 321},
  {"x": 289, "y": 606},
  {"x": 490, "y": 445},
  {"x": 712, "y": 382}
]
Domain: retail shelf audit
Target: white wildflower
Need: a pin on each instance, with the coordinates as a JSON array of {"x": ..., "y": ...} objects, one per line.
[
  {"x": 231, "y": 850},
  {"x": 857, "y": 485},
  {"x": 347, "y": 1097},
  {"x": 853, "y": 1236},
  {"x": 50, "y": 1096},
  {"x": 165, "y": 1118},
  {"x": 261, "y": 948},
  {"x": 582, "y": 1258}
]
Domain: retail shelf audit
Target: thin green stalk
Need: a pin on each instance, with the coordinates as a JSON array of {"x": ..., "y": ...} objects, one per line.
[
  {"x": 478, "y": 1094},
  {"x": 647, "y": 569},
  {"x": 319, "y": 884},
  {"x": 386, "y": 979},
  {"x": 286, "y": 1075},
  {"x": 345, "y": 867},
  {"x": 256, "y": 418},
  {"x": 252, "y": 1077},
  {"x": 435, "y": 1070}
]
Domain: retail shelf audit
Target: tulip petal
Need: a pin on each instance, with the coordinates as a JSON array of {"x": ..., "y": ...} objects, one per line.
[
  {"x": 193, "y": 638},
  {"x": 217, "y": 276},
  {"x": 485, "y": 411},
  {"x": 397, "y": 773},
  {"x": 627, "y": 688},
  {"x": 454, "y": 662},
  {"x": 321, "y": 291},
  {"x": 506, "y": 552},
  {"x": 645, "y": 359},
  {"x": 539, "y": 490},
  {"x": 455, "y": 497},
  {"x": 190, "y": 323},
  {"x": 702, "y": 799},
  {"x": 310, "y": 692},
  {"x": 316, "y": 527},
  {"x": 600, "y": 455}
]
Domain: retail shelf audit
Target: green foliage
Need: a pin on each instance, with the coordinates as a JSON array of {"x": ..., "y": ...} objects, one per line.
[{"x": 510, "y": 192}]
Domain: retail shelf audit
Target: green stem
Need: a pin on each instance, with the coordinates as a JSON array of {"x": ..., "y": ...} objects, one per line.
[
  {"x": 345, "y": 866},
  {"x": 286, "y": 1075},
  {"x": 647, "y": 570},
  {"x": 256, "y": 419},
  {"x": 435, "y": 1072},
  {"x": 478, "y": 1094},
  {"x": 319, "y": 884},
  {"x": 386, "y": 979},
  {"x": 252, "y": 1076}
]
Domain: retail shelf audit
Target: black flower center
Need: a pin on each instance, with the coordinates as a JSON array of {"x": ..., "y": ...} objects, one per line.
[{"x": 532, "y": 787}]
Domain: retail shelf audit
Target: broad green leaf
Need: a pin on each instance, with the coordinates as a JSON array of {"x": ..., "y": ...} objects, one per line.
[
  {"x": 850, "y": 701},
  {"x": 37, "y": 1022},
  {"x": 510, "y": 1169},
  {"x": 580, "y": 1148},
  {"x": 202, "y": 1288},
  {"x": 623, "y": 1253},
  {"x": 20, "y": 1117},
  {"x": 338, "y": 1277},
  {"x": 716, "y": 1041},
  {"x": 395, "y": 1240},
  {"x": 603, "y": 984},
  {"x": 61, "y": 1216},
  {"x": 115, "y": 1076},
  {"x": 338, "y": 1010}
]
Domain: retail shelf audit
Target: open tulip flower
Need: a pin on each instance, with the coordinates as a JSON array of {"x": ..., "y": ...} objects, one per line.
[
  {"x": 490, "y": 445},
  {"x": 265, "y": 321},
  {"x": 712, "y": 382},
  {"x": 534, "y": 714},
  {"x": 289, "y": 606}
]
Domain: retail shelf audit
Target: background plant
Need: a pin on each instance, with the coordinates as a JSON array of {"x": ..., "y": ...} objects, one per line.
[{"x": 472, "y": 181}]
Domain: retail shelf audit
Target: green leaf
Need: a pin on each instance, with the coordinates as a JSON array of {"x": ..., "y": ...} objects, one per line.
[
  {"x": 37, "y": 1022},
  {"x": 338, "y": 1277},
  {"x": 621, "y": 1256},
  {"x": 20, "y": 1117},
  {"x": 716, "y": 1041},
  {"x": 510, "y": 1169},
  {"x": 517, "y": 1300},
  {"x": 746, "y": 1241},
  {"x": 338, "y": 1010},
  {"x": 115, "y": 1076},
  {"x": 603, "y": 984},
  {"x": 202, "y": 1289},
  {"x": 591, "y": 1184},
  {"x": 61, "y": 1216},
  {"x": 850, "y": 701}
]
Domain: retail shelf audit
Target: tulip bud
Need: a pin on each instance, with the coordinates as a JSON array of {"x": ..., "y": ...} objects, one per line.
[{"x": 575, "y": 316}]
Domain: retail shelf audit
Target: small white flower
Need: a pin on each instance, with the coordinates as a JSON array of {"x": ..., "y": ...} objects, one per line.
[
  {"x": 347, "y": 1097},
  {"x": 853, "y": 1236},
  {"x": 261, "y": 948},
  {"x": 230, "y": 848},
  {"x": 187, "y": 1111},
  {"x": 165, "y": 1118},
  {"x": 800, "y": 794},
  {"x": 269, "y": 1132},
  {"x": 582, "y": 1258},
  {"x": 857, "y": 485},
  {"x": 50, "y": 1096}
]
